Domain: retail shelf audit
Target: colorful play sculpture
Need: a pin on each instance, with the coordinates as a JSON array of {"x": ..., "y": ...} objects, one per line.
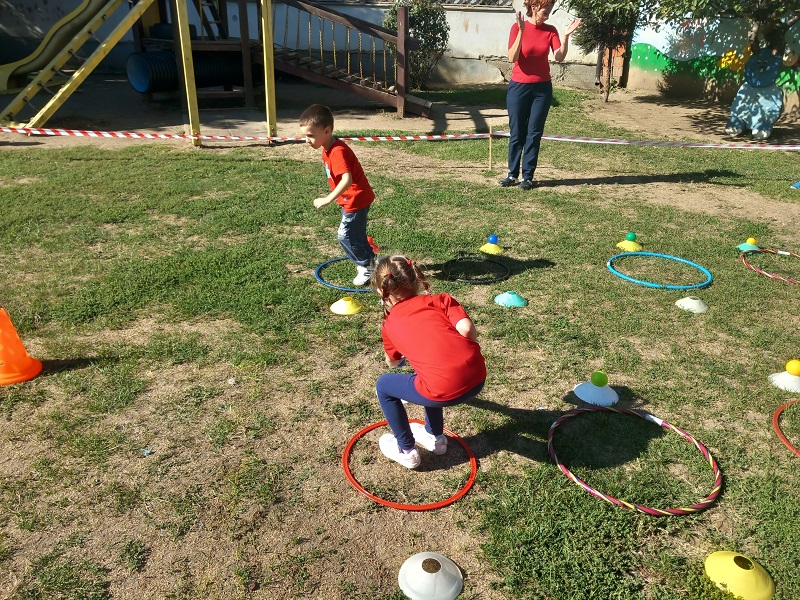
[{"x": 759, "y": 101}]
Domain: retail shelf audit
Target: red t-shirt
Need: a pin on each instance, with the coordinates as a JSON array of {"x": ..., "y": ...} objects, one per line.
[
  {"x": 533, "y": 65},
  {"x": 422, "y": 328},
  {"x": 341, "y": 159}
]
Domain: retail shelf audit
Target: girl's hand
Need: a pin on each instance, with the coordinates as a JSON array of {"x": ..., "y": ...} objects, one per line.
[
  {"x": 394, "y": 364},
  {"x": 520, "y": 20},
  {"x": 572, "y": 27}
]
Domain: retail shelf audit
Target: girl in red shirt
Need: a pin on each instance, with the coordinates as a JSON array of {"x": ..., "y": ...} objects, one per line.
[{"x": 435, "y": 335}]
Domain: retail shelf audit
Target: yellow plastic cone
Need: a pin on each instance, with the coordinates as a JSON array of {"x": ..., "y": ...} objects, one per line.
[
  {"x": 739, "y": 575},
  {"x": 346, "y": 306},
  {"x": 16, "y": 364},
  {"x": 629, "y": 246},
  {"x": 490, "y": 248}
]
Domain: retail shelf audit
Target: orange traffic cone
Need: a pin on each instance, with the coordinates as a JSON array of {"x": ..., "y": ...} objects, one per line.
[{"x": 16, "y": 365}]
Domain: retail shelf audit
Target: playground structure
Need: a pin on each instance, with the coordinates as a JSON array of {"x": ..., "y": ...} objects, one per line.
[{"x": 325, "y": 46}]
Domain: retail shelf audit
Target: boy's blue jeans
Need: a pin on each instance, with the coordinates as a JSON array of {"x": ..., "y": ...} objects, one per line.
[
  {"x": 528, "y": 105},
  {"x": 352, "y": 237},
  {"x": 391, "y": 387}
]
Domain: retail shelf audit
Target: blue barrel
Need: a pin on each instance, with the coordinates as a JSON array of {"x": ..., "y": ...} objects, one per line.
[{"x": 158, "y": 71}]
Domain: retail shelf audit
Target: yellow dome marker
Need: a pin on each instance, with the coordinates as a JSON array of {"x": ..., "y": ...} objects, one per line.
[
  {"x": 629, "y": 244},
  {"x": 739, "y": 575},
  {"x": 347, "y": 306}
]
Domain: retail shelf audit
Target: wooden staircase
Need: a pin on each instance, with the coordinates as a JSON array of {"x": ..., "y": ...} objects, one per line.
[
  {"x": 295, "y": 63},
  {"x": 344, "y": 67}
]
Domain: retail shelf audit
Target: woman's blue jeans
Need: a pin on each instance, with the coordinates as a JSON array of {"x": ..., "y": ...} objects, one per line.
[
  {"x": 528, "y": 105},
  {"x": 391, "y": 387}
]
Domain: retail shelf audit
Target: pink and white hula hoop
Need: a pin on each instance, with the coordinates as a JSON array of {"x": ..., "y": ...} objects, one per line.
[
  {"x": 742, "y": 257},
  {"x": 657, "y": 512}
]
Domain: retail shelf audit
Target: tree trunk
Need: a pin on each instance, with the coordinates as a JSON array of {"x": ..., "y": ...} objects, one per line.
[{"x": 609, "y": 65}]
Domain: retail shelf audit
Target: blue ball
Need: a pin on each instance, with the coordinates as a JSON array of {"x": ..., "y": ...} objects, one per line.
[{"x": 492, "y": 239}]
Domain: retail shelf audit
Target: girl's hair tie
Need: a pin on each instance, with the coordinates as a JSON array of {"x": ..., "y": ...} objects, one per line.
[{"x": 408, "y": 262}]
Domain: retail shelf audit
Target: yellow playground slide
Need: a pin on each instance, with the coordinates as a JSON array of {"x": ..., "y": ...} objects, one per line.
[{"x": 60, "y": 35}]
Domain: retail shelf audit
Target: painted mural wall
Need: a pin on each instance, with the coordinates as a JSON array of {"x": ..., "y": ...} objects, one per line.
[{"x": 705, "y": 59}]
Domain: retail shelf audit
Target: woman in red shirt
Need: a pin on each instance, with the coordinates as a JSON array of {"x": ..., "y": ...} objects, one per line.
[
  {"x": 435, "y": 335},
  {"x": 530, "y": 91}
]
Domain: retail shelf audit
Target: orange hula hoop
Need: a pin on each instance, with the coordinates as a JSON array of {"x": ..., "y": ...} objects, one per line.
[
  {"x": 777, "y": 427},
  {"x": 473, "y": 462}
]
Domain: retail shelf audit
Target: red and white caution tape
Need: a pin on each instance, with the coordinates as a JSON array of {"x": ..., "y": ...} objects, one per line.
[
  {"x": 587, "y": 140},
  {"x": 382, "y": 138},
  {"x": 183, "y": 136}
]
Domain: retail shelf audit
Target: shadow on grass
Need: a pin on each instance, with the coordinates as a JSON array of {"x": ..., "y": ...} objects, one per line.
[
  {"x": 51, "y": 367},
  {"x": 525, "y": 433},
  {"x": 691, "y": 177},
  {"x": 16, "y": 143},
  {"x": 478, "y": 269}
]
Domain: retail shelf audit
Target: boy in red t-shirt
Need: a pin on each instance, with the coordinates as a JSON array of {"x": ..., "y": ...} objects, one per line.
[
  {"x": 435, "y": 335},
  {"x": 349, "y": 187}
]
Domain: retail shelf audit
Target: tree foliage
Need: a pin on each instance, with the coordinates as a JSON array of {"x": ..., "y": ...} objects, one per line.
[
  {"x": 608, "y": 24},
  {"x": 768, "y": 20},
  {"x": 427, "y": 22},
  {"x": 604, "y": 21}
]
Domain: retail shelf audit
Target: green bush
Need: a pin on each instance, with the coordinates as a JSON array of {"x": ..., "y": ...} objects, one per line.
[{"x": 428, "y": 24}]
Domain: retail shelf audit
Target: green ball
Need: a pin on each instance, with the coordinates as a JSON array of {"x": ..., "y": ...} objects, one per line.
[
  {"x": 599, "y": 378},
  {"x": 631, "y": 237}
]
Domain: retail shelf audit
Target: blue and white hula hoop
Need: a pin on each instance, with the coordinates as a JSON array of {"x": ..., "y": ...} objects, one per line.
[
  {"x": 318, "y": 271},
  {"x": 663, "y": 286}
]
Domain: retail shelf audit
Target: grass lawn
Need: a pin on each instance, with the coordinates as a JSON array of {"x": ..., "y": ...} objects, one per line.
[{"x": 184, "y": 440}]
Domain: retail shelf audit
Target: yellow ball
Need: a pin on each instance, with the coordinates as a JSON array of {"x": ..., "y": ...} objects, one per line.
[
  {"x": 751, "y": 241},
  {"x": 793, "y": 367}
]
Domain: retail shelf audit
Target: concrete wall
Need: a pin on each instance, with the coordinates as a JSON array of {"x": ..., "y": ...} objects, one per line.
[
  {"x": 479, "y": 49},
  {"x": 477, "y": 54}
]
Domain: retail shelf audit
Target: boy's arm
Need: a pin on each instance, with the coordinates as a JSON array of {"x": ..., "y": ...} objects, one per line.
[
  {"x": 466, "y": 328},
  {"x": 345, "y": 182}
]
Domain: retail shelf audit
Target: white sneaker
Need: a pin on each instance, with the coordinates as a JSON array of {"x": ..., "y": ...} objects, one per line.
[
  {"x": 431, "y": 443},
  {"x": 390, "y": 449},
  {"x": 363, "y": 275}
]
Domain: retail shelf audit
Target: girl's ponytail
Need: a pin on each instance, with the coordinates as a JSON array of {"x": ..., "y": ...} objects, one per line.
[{"x": 398, "y": 276}]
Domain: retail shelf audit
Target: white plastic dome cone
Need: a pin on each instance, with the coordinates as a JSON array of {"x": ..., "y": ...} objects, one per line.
[
  {"x": 592, "y": 394},
  {"x": 596, "y": 391},
  {"x": 786, "y": 381},
  {"x": 692, "y": 304},
  {"x": 430, "y": 576}
]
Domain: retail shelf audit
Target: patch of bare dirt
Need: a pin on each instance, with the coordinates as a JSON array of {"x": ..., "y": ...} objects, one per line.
[
  {"x": 320, "y": 536},
  {"x": 660, "y": 117}
]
